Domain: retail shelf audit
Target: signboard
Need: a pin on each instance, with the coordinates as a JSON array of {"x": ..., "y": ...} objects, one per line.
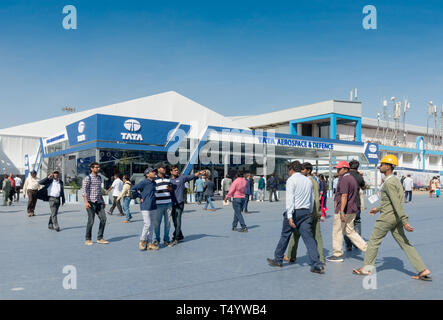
[
  {"x": 117, "y": 129},
  {"x": 371, "y": 153},
  {"x": 26, "y": 165},
  {"x": 296, "y": 143}
]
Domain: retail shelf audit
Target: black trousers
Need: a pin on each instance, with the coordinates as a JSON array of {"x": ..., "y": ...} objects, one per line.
[{"x": 54, "y": 205}]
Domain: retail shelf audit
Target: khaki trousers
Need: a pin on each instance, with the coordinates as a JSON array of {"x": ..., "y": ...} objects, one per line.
[
  {"x": 340, "y": 228},
  {"x": 379, "y": 232}
]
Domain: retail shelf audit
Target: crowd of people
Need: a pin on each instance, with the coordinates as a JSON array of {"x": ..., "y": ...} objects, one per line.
[{"x": 161, "y": 195}]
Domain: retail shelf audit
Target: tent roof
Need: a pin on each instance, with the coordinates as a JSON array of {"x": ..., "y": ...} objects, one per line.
[{"x": 167, "y": 106}]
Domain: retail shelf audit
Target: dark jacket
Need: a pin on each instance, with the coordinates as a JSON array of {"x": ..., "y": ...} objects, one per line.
[
  {"x": 145, "y": 190},
  {"x": 272, "y": 183},
  {"x": 42, "y": 194},
  {"x": 208, "y": 188},
  {"x": 178, "y": 184}
]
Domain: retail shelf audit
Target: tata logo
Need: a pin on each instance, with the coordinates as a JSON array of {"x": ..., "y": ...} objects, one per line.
[
  {"x": 372, "y": 148},
  {"x": 81, "y": 129},
  {"x": 132, "y": 126}
]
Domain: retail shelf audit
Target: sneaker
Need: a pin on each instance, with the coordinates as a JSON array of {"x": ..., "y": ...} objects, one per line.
[
  {"x": 109, "y": 212},
  {"x": 212, "y": 209},
  {"x": 234, "y": 229},
  {"x": 318, "y": 270},
  {"x": 167, "y": 243},
  {"x": 50, "y": 227},
  {"x": 335, "y": 259},
  {"x": 243, "y": 230},
  {"x": 125, "y": 221},
  {"x": 142, "y": 245},
  {"x": 152, "y": 246},
  {"x": 286, "y": 258},
  {"x": 57, "y": 228},
  {"x": 272, "y": 263},
  {"x": 174, "y": 243},
  {"x": 89, "y": 242},
  {"x": 102, "y": 241},
  {"x": 155, "y": 243}
]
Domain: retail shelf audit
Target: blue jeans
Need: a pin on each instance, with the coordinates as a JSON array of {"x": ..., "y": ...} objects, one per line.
[
  {"x": 209, "y": 202},
  {"x": 163, "y": 211},
  {"x": 303, "y": 221},
  {"x": 410, "y": 196},
  {"x": 126, "y": 202},
  {"x": 245, "y": 205},
  {"x": 238, "y": 204},
  {"x": 199, "y": 196}
]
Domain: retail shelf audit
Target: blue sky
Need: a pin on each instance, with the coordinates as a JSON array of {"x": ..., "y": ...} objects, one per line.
[{"x": 235, "y": 57}]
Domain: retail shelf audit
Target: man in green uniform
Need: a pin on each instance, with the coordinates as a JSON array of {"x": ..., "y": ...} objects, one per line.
[
  {"x": 316, "y": 215},
  {"x": 6, "y": 188},
  {"x": 392, "y": 218}
]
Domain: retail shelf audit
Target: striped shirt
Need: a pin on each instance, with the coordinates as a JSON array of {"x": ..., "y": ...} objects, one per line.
[
  {"x": 162, "y": 195},
  {"x": 92, "y": 188}
]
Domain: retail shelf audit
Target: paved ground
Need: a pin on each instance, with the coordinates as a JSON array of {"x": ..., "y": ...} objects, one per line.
[{"x": 213, "y": 263}]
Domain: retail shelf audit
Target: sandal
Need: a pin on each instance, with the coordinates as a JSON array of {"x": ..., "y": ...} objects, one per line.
[
  {"x": 359, "y": 272},
  {"x": 420, "y": 277}
]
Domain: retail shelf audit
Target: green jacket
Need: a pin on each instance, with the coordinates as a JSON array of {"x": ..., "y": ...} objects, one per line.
[
  {"x": 6, "y": 186},
  {"x": 391, "y": 203},
  {"x": 316, "y": 210}
]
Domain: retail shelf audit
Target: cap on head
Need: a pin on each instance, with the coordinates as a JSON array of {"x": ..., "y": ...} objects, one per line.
[
  {"x": 390, "y": 159},
  {"x": 147, "y": 170},
  {"x": 56, "y": 172},
  {"x": 342, "y": 164}
]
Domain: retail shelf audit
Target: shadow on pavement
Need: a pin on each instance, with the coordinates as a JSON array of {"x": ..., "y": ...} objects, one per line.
[
  {"x": 199, "y": 236},
  {"x": 116, "y": 239},
  {"x": 394, "y": 263}
]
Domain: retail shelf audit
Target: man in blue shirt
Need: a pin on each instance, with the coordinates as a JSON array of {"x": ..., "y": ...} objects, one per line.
[
  {"x": 298, "y": 215},
  {"x": 178, "y": 200},
  {"x": 145, "y": 190},
  {"x": 199, "y": 183}
]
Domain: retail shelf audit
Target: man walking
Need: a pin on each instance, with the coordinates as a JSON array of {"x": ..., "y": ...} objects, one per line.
[
  {"x": 408, "y": 184},
  {"x": 117, "y": 187},
  {"x": 208, "y": 192},
  {"x": 52, "y": 192},
  {"x": 237, "y": 192},
  {"x": 316, "y": 215},
  {"x": 6, "y": 189},
  {"x": 298, "y": 215},
  {"x": 392, "y": 218},
  {"x": 272, "y": 185},
  {"x": 18, "y": 184},
  {"x": 345, "y": 213},
  {"x": 30, "y": 189},
  {"x": 226, "y": 185},
  {"x": 163, "y": 191},
  {"x": 198, "y": 187},
  {"x": 12, "y": 191},
  {"x": 145, "y": 190},
  {"x": 354, "y": 164},
  {"x": 248, "y": 193},
  {"x": 94, "y": 203},
  {"x": 261, "y": 188},
  {"x": 125, "y": 195},
  {"x": 178, "y": 200}
]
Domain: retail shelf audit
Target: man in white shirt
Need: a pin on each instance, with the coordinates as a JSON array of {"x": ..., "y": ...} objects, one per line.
[
  {"x": 52, "y": 192},
  {"x": 30, "y": 189},
  {"x": 117, "y": 187},
  {"x": 408, "y": 184},
  {"x": 18, "y": 184},
  {"x": 298, "y": 215}
]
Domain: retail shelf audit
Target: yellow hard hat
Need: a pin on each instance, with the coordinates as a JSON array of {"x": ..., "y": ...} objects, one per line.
[{"x": 391, "y": 159}]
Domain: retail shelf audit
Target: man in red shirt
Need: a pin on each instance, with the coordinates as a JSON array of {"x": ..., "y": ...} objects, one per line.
[
  {"x": 345, "y": 213},
  {"x": 12, "y": 193}
]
